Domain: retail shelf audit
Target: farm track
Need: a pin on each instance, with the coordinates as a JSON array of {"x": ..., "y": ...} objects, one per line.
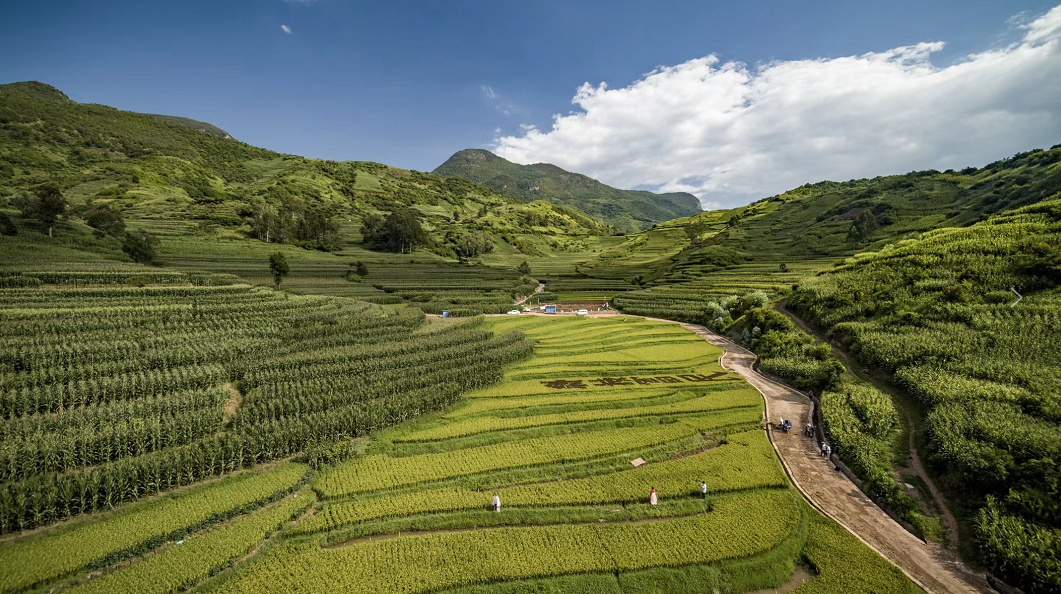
[
  {"x": 522, "y": 300},
  {"x": 929, "y": 565},
  {"x": 950, "y": 523}
]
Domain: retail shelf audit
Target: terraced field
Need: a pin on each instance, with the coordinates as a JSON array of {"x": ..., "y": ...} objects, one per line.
[
  {"x": 142, "y": 406},
  {"x": 166, "y": 430},
  {"x": 555, "y": 441}
]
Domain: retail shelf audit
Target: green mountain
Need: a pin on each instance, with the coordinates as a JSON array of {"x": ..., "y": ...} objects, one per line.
[
  {"x": 627, "y": 210},
  {"x": 939, "y": 317},
  {"x": 830, "y": 219},
  {"x": 168, "y": 173},
  {"x": 194, "y": 124}
]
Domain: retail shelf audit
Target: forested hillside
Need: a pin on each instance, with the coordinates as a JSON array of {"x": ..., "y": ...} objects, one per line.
[
  {"x": 626, "y": 210},
  {"x": 938, "y": 314},
  {"x": 829, "y": 219},
  {"x": 166, "y": 169}
]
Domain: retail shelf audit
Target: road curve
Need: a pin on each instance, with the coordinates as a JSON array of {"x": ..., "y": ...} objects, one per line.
[{"x": 929, "y": 565}]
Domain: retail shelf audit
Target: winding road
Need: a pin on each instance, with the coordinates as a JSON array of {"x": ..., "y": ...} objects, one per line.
[
  {"x": 932, "y": 567},
  {"x": 950, "y": 523}
]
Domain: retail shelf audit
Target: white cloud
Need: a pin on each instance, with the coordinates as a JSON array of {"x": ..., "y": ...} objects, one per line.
[
  {"x": 497, "y": 100},
  {"x": 285, "y": 29},
  {"x": 732, "y": 133}
]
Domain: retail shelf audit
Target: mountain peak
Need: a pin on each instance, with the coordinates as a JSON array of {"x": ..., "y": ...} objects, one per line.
[
  {"x": 626, "y": 210},
  {"x": 35, "y": 89}
]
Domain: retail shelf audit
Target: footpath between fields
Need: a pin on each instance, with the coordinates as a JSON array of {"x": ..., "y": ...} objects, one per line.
[{"x": 929, "y": 565}]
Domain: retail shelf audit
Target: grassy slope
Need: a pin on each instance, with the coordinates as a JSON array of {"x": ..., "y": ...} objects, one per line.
[
  {"x": 628, "y": 210},
  {"x": 174, "y": 179},
  {"x": 815, "y": 220},
  {"x": 936, "y": 315},
  {"x": 188, "y": 187}
]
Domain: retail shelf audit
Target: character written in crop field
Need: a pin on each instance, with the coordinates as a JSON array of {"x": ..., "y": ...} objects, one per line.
[
  {"x": 497, "y": 503},
  {"x": 703, "y": 490},
  {"x": 652, "y": 498}
]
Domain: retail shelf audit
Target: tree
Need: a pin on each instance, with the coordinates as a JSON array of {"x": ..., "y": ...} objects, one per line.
[
  {"x": 7, "y": 226},
  {"x": 141, "y": 246},
  {"x": 864, "y": 226},
  {"x": 372, "y": 230},
  {"x": 262, "y": 218},
  {"x": 46, "y": 206},
  {"x": 403, "y": 231},
  {"x": 783, "y": 267},
  {"x": 106, "y": 221},
  {"x": 278, "y": 267},
  {"x": 360, "y": 269},
  {"x": 524, "y": 268},
  {"x": 695, "y": 229},
  {"x": 469, "y": 245}
]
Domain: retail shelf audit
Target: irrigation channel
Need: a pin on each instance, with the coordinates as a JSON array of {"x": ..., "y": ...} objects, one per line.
[{"x": 931, "y": 566}]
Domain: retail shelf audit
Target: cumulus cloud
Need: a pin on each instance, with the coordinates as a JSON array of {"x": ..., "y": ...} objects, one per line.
[
  {"x": 285, "y": 29},
  {"x": 731, "y": 133}
]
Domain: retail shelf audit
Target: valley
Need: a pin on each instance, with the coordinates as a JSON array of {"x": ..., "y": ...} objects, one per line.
[{"x": 180, "y": 415}]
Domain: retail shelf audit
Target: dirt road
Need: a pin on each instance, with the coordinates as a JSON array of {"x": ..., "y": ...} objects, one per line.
[
  {"x": 931, "y": 566},
  {"x": 539, "y": 289},
  {"x": 950, "y": 523}
]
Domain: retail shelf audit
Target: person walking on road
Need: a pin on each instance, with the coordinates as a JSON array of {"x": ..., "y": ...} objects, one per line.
[
  {"x": 703, "y": 490},
  {"x": 497, "y": 503},
  {"x": 652, "y": 497}
]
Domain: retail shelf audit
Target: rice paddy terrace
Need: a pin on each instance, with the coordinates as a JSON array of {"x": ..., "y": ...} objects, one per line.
[
  {"x": 186, "y": 451},
  {"x": 555, "y": 441}
]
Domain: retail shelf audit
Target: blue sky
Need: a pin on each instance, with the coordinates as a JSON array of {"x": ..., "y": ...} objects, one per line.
[{"x": 409, "y": 83}]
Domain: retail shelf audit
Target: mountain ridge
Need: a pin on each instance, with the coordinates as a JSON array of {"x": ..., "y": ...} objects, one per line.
[{"x": 627, "y": 210}]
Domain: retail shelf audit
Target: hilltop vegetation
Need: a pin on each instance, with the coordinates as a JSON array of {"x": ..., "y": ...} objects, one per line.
[
  {"x": 626, "y": 210},
  {"x": 160, "y": 170},
  {"x": 214, "y": 203},
  {"x": 938, "y": 315},
  {"x": 829, "y": 219}
]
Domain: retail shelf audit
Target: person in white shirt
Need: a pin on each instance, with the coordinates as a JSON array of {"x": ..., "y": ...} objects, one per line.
[
  {"x": 652, "y": 497},
  {"x": 703, "y": 490},
  {"x": 497, "y": 503}
]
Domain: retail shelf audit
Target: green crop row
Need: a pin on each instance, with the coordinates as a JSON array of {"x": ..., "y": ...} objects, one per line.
[
  {"x": 195, "y": 558},
  {"x": 739, "y": 398},
  {"x": 745, "y": 461},
  {"x": 736, "y": 527},
  {"x": 377, "y": 472},
  {"x": 37, "y": 558},
  {"x": 486, "y": 405}
]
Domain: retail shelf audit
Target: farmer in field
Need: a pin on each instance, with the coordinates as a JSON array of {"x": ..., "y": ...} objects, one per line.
[
  {"x": 652, "y": 497},
  {"x": 497, "y": 503},
  {"x": 703, "y": 490}
]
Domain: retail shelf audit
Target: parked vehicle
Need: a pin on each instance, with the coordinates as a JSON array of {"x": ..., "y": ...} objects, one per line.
[
  {"x": 514, "y": 312},
  {"x": 583, "y": 312}
]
